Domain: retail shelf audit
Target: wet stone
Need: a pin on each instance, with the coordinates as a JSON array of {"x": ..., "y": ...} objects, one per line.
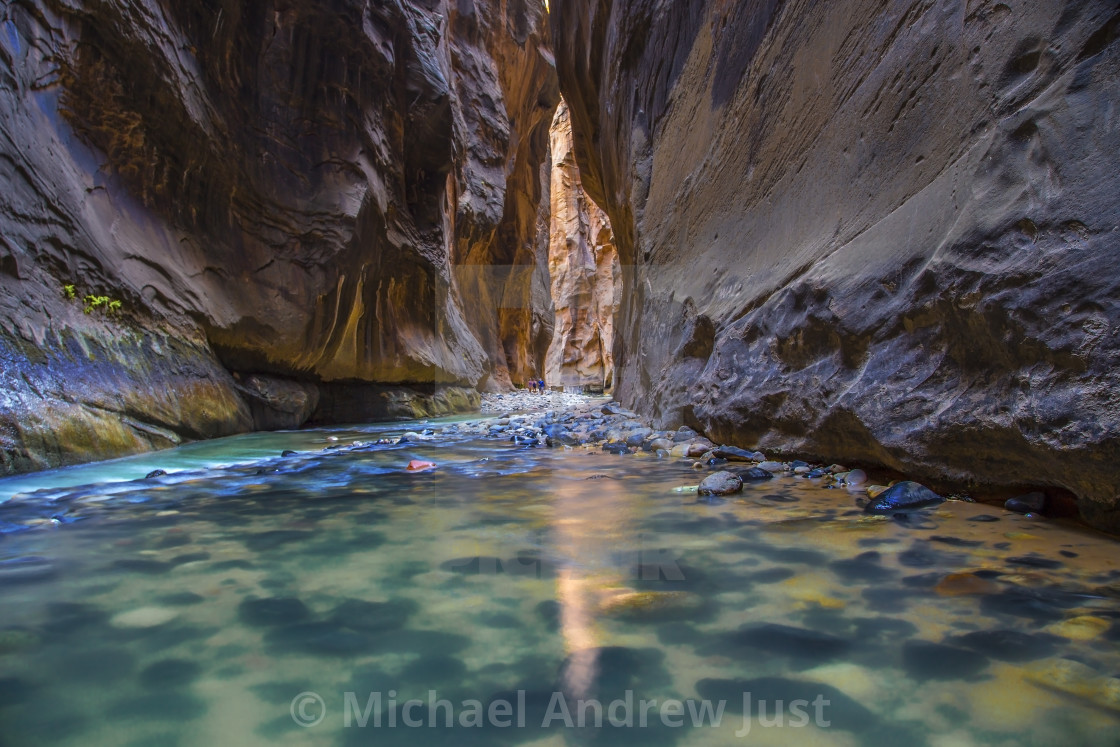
[
  {"x": 779, "y": 498},
  {"x": 170, "y": 673},
  {"x": 161, "y": 706},
  {"x": 955, "y": 541},
  {"x": 771, "y": 575},
  {"x": 26, "y": 570},
  {"x": 142, "y": 565},
  {"x": 865, "y": 567},
  {"x": 155, "y": 473},
  {"x": 359, "y": 614},
  {"x": 67, "y": 617},
  {"x": 843, "y": 712},
  {"x": 442, "y": 669},
  {"x": 99, "y": 665},
  {"x": 720, "y": 483},
  {"x": 473, "y": 566},
  {"x": 1040, "y": 605},
  {"x": 615, "y": 669},
  {"x": 984, "y": 518},
  {"x": 272, "y": 611},
  {"x": 275, "y": 539},
  {"x": 320, "y": 638},
  {"x": 905, "y": 496},
  {"x": 1028, "y": 503},
  {"x": 1009, "y": 645},
  {"x": 15, "y": 690},
  {"x": 756, "y": 474},
  {"x": 733, "y": 454},
  {"x": 785, "y": 640},
  {"x": 1034, "y": 561},
  {"x": 934, "y": 661}
]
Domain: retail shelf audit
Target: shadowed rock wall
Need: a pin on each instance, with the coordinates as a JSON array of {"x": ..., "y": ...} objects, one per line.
[
  {"x": 284, "y": 190},
  {"x": 879, "y": 233},
  {"x": 583, "y": 266}
]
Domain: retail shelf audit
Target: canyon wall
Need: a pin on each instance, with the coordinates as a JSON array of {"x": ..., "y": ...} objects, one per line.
[
  {"x": 879, "y": 233},
  {"x": 220, "y": 215},
  {"x": 583, "y": 266}
]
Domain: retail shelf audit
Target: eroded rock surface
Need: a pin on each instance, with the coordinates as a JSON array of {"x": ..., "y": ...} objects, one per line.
[
  {"x": 883, "y": 234},
  {"x": 324, "y": 193},
  {"x": 586, "y": 277}
]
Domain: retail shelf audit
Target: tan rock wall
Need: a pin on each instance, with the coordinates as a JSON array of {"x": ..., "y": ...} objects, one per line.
[{"x": 585, "y": 273}]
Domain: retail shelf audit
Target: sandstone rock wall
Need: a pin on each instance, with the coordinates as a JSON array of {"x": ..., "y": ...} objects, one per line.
[
  {"x": 583, "y": 266},
  {"x": 880, "y": 233},
  {"x": 323, "y": 194}
]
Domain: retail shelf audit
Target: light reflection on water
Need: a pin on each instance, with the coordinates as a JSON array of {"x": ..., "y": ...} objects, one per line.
[{"x": 191, "y": 609}]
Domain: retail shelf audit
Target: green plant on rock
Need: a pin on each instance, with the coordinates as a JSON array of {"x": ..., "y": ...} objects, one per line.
[
  {"x": 69, "y": 292},
  {"x": 106, "y": 304}
]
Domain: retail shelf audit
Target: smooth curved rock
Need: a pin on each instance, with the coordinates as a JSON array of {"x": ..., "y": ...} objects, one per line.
[
  {"x": 720, "y": 483},
  {"x": 905, "y": 496},
  {"x": 868, "y": 232},
  {"x": 325, "y": 194}
]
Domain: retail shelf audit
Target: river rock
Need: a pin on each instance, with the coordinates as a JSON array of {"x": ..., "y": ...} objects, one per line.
[
  {"x": 733, "y": 454},
  {"x": 757, "y": 474},
  {"x": 855, "y": 477},
  {"x": 698, "y": 447},
  {"x": 144, "y": 617},
  {"x": 904, "y": 496},
  {"x": 661, "y": 444},
  {"x": 720, "y": 483},
  {"x": 637, "y": 437},
  {"x": 1026, "y": 504},
  {"x": 772, "y": 466},
  {"x": 684, "y": 433}
]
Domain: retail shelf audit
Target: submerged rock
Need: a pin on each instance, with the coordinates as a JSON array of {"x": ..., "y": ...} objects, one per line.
[
  {"x": 144, "y": 617},
  {"x": 905, "y": 496},
  {"x": 756, "y": 474}
]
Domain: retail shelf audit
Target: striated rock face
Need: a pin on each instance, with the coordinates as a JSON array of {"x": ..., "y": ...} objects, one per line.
[
  {"x": 321, "y": 194},
  {"x": 875, "y": 233},
  {"x": 586, "y": 277}
]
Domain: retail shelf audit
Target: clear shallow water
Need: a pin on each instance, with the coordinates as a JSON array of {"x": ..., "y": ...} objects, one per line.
[{"x": 193, "y": 609}]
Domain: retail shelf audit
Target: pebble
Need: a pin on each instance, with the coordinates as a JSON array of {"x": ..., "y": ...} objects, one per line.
[{"x": 772, "y": 466}]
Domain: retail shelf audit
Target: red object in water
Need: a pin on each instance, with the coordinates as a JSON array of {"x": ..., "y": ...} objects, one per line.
[{"x": 418, "y": 466}]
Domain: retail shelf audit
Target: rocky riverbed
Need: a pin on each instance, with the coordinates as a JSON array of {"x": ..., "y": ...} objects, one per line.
[
  {"x": 573, "y": 421},
  {"x": 482, "y": 556}
]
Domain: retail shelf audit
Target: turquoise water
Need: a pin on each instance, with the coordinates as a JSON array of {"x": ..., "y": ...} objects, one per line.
[{"x": 245, "y": 595}]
